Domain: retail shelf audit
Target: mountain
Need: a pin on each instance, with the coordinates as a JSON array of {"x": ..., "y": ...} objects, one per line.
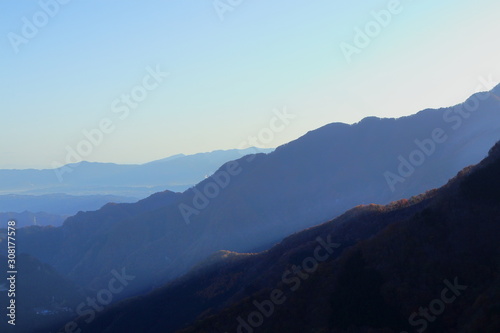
[
  {"x": 427, "y": 263},
  {"x": 252, "y": 203},
  {"x": 176, "y": 173},
  {"x": 57, "y": 204},
  {"x": 43, "y": 297},
  {"x": 82, "y": 234},
  {"x": 26, "y": 218}
]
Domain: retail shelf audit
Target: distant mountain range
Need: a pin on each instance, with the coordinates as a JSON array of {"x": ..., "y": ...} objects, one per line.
[
  {"x": 57, "y": 204},
  {"x": 425, "y": 264},
  {"x": 50, "y": 209},
  {"x": 48, "y": 197},
  {"x": 175, "y": 173},
  {"x": 26, "y": 218},
  {"x": 252, "y": 203}
]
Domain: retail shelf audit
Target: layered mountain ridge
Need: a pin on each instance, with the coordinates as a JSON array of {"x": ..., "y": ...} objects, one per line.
[
  {"x": 373, "y": 269},
  {"x": 262, "y": 198}
]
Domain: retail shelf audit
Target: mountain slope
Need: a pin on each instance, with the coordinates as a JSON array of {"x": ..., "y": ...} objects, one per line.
[
  {"x": 37, "y": 308},
  {"x": 82, "y": 233},
  {"x": 375, "y": 268},
  {"x": 26, "y": 218},
  {"x": 262, "y": 198},
  {"x": 175, "y": 173},
  {"x": 58, "y": 204}
]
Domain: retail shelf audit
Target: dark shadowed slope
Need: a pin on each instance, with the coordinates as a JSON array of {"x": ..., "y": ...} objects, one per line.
[
  {"x": 42, "y": 296},
  {"x": 370, "y": 270}
]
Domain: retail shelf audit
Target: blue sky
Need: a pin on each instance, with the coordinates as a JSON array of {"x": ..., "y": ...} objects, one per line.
[{"x": 226, "y": 76}]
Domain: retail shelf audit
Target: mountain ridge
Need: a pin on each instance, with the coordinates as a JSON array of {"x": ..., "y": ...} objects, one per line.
[
  {"x": 299, "y": 185},
  {"x": 225, "y": 292},
  {"x": 132, "y": 180}
]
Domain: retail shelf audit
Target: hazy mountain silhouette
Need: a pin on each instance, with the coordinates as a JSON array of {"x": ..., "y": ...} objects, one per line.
[
  {"x": 175, "y": 173},
  {"x": 57, "y": 204},
  {"x": 129, "y": 183},
  {"x": 376, "y": 267},
  {"x": 268, "y": 197},
  {"x": 26, "y": 218},
  {"x": 84, "y": 232}
]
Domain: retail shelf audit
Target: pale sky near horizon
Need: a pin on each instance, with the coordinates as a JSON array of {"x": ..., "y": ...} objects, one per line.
[{"x": 225, "y": 76}]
